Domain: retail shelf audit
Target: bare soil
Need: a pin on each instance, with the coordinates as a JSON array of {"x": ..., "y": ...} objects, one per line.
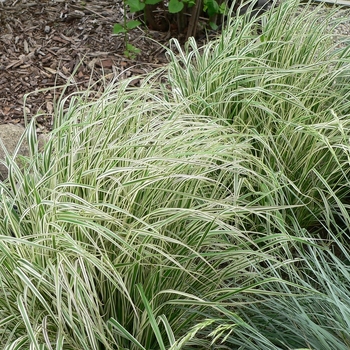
[{"x": 46, "y": 45}]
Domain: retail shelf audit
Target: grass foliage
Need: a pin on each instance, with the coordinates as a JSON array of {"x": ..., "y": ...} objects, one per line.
[{"x": 211, "y": 213}]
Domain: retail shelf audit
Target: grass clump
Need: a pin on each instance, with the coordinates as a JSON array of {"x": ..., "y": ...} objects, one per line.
[
  {"x": 211, "y": 215},
  {"x": 285, "y": 90}
]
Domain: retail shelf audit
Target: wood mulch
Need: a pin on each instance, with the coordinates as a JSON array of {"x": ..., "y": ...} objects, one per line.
[{"x": 47, "y": 44}]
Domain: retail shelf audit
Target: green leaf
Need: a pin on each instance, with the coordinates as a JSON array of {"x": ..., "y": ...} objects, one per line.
[
  {"x": 132, "y": 48},
  {"x": 135, "y": 5},
  {"x": 175, "y": 6},
  {"x": 151, "y": 318},
  {"x": 131, "y": 51},
  {"x": 213, "y": 26},
  {"x": 223, "y": 8},
  {"x": 124, "y": 333},
  {"x": 132, "y": 24},
  {"x": 118, "y": 28},
  {"x": 168, "y": 329},
  {"x": 129, "y": 55},
  {"x": 25, "y": 316},
  {"x": 211, "y": 7}
]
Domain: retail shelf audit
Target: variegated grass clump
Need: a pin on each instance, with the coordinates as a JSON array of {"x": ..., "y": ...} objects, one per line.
[
  {"x": 286, "y": 90},
  {"x": 213, "y": 215}
]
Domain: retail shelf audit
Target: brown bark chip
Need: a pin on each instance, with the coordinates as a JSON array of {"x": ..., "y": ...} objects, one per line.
[{"x": 46, "y": 44}]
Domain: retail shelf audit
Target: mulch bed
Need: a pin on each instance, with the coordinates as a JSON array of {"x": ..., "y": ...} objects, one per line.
[{"x": 46, "y": 44}]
